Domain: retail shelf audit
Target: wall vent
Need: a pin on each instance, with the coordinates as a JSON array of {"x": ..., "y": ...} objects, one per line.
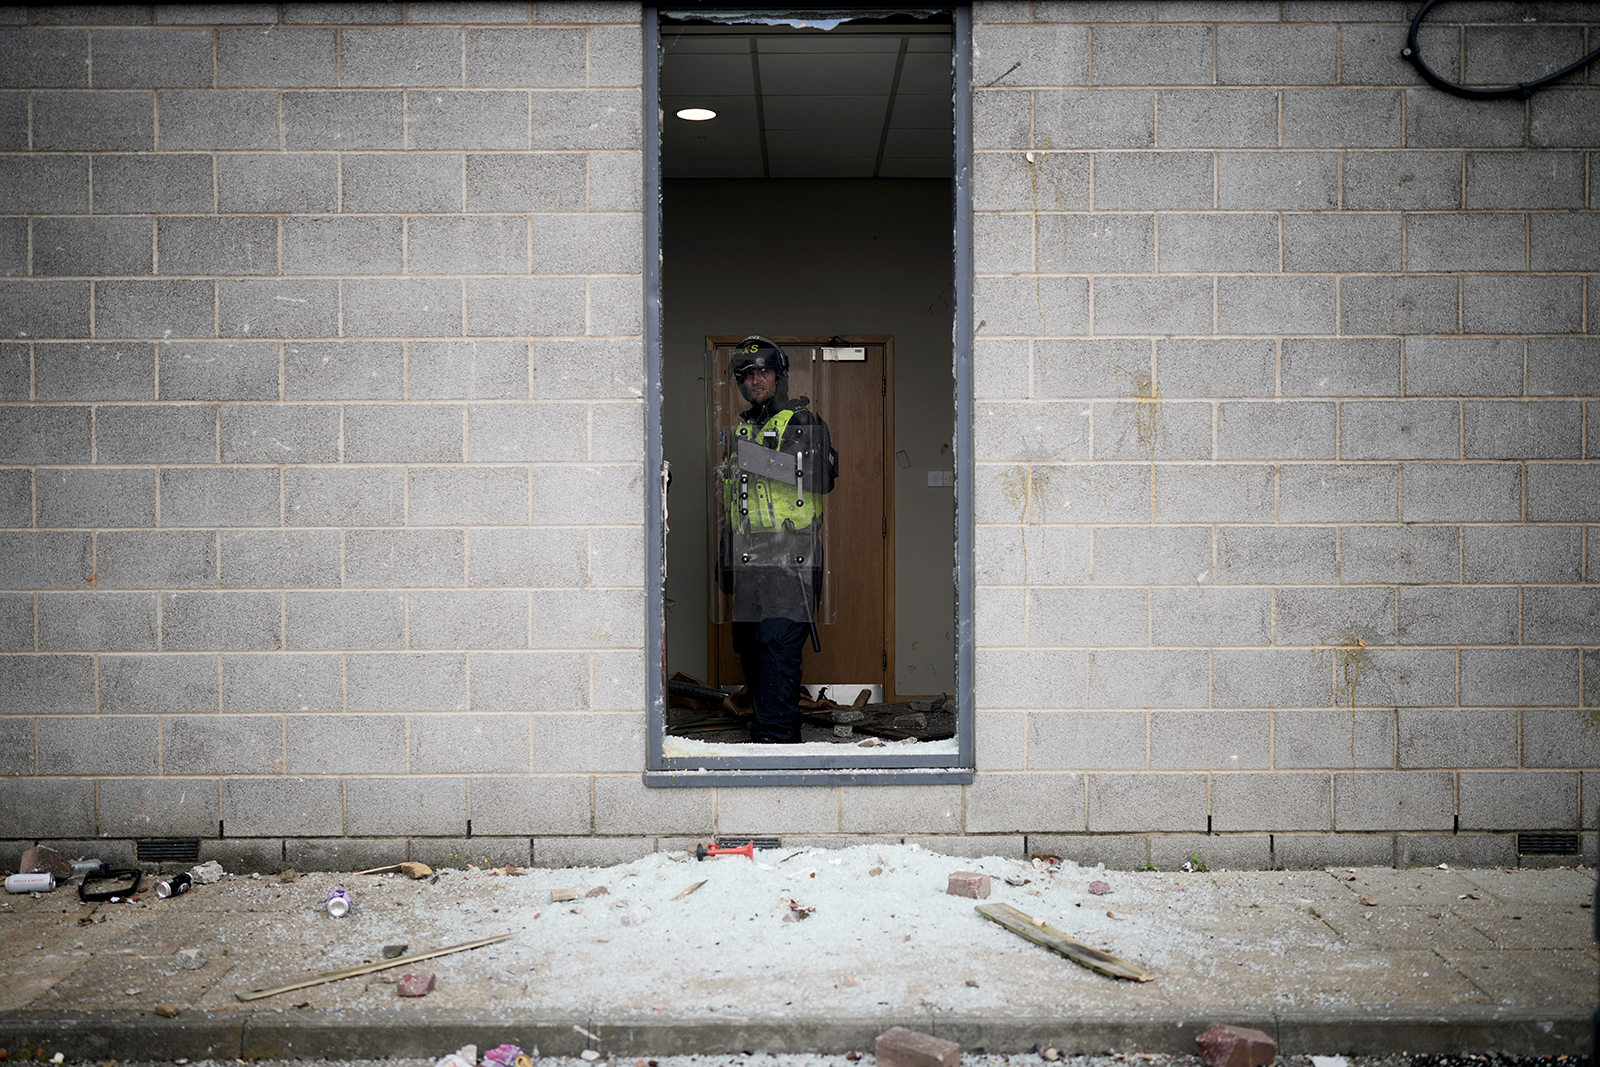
[
  {"x": 174, "y": 851},
  {"x": 1548, "y": 844},
  {"x": 739, "y": 842}
]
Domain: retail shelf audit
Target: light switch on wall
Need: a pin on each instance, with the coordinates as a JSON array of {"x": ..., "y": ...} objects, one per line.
[{"x": 941, "y": 479}]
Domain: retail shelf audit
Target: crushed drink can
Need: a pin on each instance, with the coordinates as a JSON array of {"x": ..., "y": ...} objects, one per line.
[
  {"x": 339, "y": 903},
  {"x": 30, "y": 883},
  {"x": 83, "y": 867},
  {"x": 177, "y": 885}
]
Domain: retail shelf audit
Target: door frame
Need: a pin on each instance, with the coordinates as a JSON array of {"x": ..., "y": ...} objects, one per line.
[{"x": 877, "y": 766}]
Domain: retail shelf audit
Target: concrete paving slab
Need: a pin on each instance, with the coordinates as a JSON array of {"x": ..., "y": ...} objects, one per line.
[
  {"x": 1513, "y": 977},
  {"x": 1398, "y": 977},
  {"x": 1426, "y": 926}
]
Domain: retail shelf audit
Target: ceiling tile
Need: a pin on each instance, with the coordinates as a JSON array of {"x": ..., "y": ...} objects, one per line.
[
  {"x": 831, "y": 75},
  {"x": 926, "y": 74},
  {"x": 700, "y": 146},
  {"x": 824, "y": 112},
  {"x": 923, "y": 113},
  {"x": 711, "y": 168},
  {"x": 916, "y": 168},
  {"x": 930, "y": 42},
  {"x": 721, "y": 75},
  {"x": 816, "y": 44},
  {"x": 704, "y": 43},
  {"x": 792, "y": 143},
  {"x": 822, "y": 167},
  {"x": 733, "y": 112},
  {"x": 920, "y": 143}
]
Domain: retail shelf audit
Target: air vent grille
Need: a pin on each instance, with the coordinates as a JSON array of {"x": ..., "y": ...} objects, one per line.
[
  {"x": 1549, "y": 844},
  {"x": 739, "y": 842},
  {"x": 173, "y": 851}
]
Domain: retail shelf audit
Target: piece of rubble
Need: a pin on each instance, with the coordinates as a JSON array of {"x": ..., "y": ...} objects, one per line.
[
  {"x": 847, "y": 715},
  {"x": 167, "y": 1011},
  {"x": 288, "y": 876},
  {"x": 968, "y": 884},
  {"x": 415, "y": 985},
  {"x": 796, "y": 911},
  {"x": 899, "y": 1047},
  {"x": 190, "y": 959},
  {"x": 1369, "y": 900},
  {"x": 1099, "y": 888},
  {"x": 42, "y": 859},
  {"x": 598, "y": 891},
  {"x": 1052, "y": 1054},
  {"x": 1236, "y": 1046},
  {"x": 558, "y": 895},
  {"x": 465, "y": 1056},
  {"x": 208, "y": 873},
  {"x": 393, "y": 952},
  {"x": 635, "y": 916},
  {"x": 916, "y": 720}
]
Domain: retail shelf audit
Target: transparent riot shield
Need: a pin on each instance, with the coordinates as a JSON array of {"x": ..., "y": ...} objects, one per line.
[{"x": 772, "y": 467}]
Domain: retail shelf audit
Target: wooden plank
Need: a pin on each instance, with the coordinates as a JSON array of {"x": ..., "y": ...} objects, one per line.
[
  {"x": 368, "y": 968},
  {"x": 1049, "y": 937}
]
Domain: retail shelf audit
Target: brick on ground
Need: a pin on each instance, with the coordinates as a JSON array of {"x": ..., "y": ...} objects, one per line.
[
  {"x": 968, "y": 884},
  {"x": 899, "y": 1047},
  {"x": 1236, "y": 1046}
]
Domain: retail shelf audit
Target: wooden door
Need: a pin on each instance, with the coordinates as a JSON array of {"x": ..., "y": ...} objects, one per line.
[{"x": 859, "y": 519}]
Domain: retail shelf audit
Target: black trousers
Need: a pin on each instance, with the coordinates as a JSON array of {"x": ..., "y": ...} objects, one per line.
[{"x": 770, "y": 651}]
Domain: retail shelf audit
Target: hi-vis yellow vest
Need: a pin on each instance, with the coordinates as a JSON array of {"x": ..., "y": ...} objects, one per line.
[{"x": 767, "y": 503}]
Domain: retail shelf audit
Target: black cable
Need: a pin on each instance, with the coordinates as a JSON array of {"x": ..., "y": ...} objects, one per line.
[{"x": 1521, "y": 91}]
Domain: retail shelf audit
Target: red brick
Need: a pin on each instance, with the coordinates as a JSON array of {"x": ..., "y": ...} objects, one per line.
[
  {"x": 416, "y": 985},
  {"x": 968, "y": 884},
  {"x": 899, "y": 1047},
  {"x": 1236, "y": 1046}
]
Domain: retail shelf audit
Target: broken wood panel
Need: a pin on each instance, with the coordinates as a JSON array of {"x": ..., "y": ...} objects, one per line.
[{"x": 1049, "y": 937}]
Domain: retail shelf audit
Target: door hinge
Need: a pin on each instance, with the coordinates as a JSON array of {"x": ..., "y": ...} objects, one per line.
[
  {"x": 886, "y": 659},
  {"x": 886, "y": 526},
  {"x": 883, "y": 385}
]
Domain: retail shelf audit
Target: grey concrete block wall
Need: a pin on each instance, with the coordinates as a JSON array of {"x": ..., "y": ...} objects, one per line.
[{"x": 1334, "y": 402}]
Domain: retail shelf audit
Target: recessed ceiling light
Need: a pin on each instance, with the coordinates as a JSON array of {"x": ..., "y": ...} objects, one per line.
[{"x": 697, "y": 114}]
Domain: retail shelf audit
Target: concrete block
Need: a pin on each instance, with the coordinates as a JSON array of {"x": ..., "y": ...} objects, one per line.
[
  {"x": 45, "y": 560},
  {"x": 1562, "y": 242},
  {"x": 1277, "y": 55},
  {"x": 1163, "y": 181},
  {"x": 149, "y": 58},
  {"x": 1154, "y": 55},
  {"x": 343, "y": 853},
  {"x": 1466, "y": 366},
  {"x": 43, "y": 685},
  {"x": 41, "y": 58},
  {"x": 163, "y": 183},
  {"x": 1413, "y": 181},
  {"x": 343, "y": 370},
  {"x": 467, "y": 245},
  {"x": 401, "y": 181},
  {"x": 17, "y": 622},
  {"x": 452, "y": 619},
  {"x": 1394, "y": 800},
  {"x": 1087, "y": 617},
  {"x": 1215, "y": 740},
  {"x": 616, "y": 306},
  {"x": 1052, "y": 306},
  {"x": 1297, "y": 303},
  {"x": 1031, "y": 55},
  {"x": 1051, "y": 556},
  {"x": 525, "y": 307},
  {"x": 209, "y": 744},
  {"x": 343, "y": 120},
  {"x": 429, "y": 681},
  {"x": 1407, "y": 305},
  {"x": 1459, "y": 850},
  {"x": 1449, "y": 739},
  {"x": 585, "y": 618},
  {"x": 1565, "y": 122},
  {"x": 1219, "y": 118},
  {"x": 296, "y": 182},
  {"x": 440, "y": 496},
  {"x": 1145, "y": 305},
  {"x": 468, "y": 370},
  {"x": 1400, "y": 678},
  {"x": 1277, "y": 181},
  {"x": 92, "y": 246},
  {"x": 1519, "y": 677},
  {"x": 619, "y": 680},
  {"x": 1198, "y": 368},
  {"x": 1275, "y": 555},
  {"x": 223, "y": 14},
  {"x": 1407, "y": 555},
  {"x": 1524, "y": 180},
  {"x": 1000, "y": 618},
  {"x": 17, "y": 757},
  {"x": 585, "y": 243},
  {"x": 1145, "y": 555},
  {"x": 1317, "y": 852},
  {"x": 1559, "y": 738},
  {"x": 16, "y": 370},
  {"x": 615, "y": 55},
  {"x": 384, "y": 806},
  {"x": 403, "y": 433},
  {"x": 538, "y": 57},
  {"x": 40, "y": 808},
  {"x": 162, "y": 684},
  {"x": 588, "y": 494},
  {"x": 1519, "y": 800},
  {"x": 1341, "y": 118},
  {"x": 201, "y": 496},
  {"x": 1326, "y": 616},
  {"x": 1466, "y": 242},
  {"x": 95, "y": 498},
  {"x": 1532, "y": 304},
  {"x": 297, "y": 308},
  {"x": 166, "y": 559},
  {"x": 1342, "y": 242},
  {"x": 13, "y": 231},
  {"x": 1008, "y": 182},
  {"x": 1066, "y": 119},
  {"x": 566, "y": 742},
  {"x": 530, "y": 681},
  {"x": 1412, "y": 429},
  {"x": 343, "y": 496},
  {"x": 1453, "y": 616},
  {"x": 1370, "y": 55},
  {"x": 48, "y": 183},
  {"x": 233, "y": 622},
  {"x": 346, "y": 744},
  {"x": 285, "y": 682},
  {"x": 16, "y": 498},
  {"x": 622, "y": 805},
  {"x": 1132, "y": 803},
  {"x": 283, "y": 807},
  {"x": 287, "y": 58},
  {"x": 208, "y": 121},
  {"x": 287, "y": 433},
  {"x": 1472, "y": 492},
  {"x": 232, "y": 244},
  {"x": 96, "y": 622},
  {"x": 1260, "y": 678},
  {"x": 1040, "y": 430},
  {"x": 99, "y": 744},
  {"x": 616, "y": 557},
  {"x": 1151, "y": 430},
  {"x": 44, "y": 435},
  {"x": 280, "y": 559},
  {"x": 1338, "y": 493},
  {"x": 105, "y": 121},
  {"x": 1438, "y": 120},
  {"x": 159, "y": 807},
  {"x": 1521, "y": 554},
  {"x": 1494, "y": 52},
  {"x": 467, "y": 120},
  {"x": 573, "y": 369},
  {"x": 332, "y": 244},
  {"x": 548, "y": 181},
  {"x": 1234, "y": 492},
  {"x": 524, "y": 805},
  {"x": 1112, "y": 852},
  {"x": 1561, "y": 492},
  {"x": 1271, "y": 801},
  {"x": 1333, "y": 737},
  {"x": 412, "y": 57},
  {"x": 1560, "y": 616},
  {"x": 51, "y": 309},
  {"x": 591, "y": 852},
  {"x": 585, "y": 120},
  {"x": 1523, "y": 430},
  {"x": 1133, "y": 678},
  {"x": 1029, "y": 679},
  {"x": 1275, "y": 431},
  {"x": 397, "y": 559},
  {"x": 1111, "y": 243},
  {"x": 219, "y": 370},
  {"x": 1084, "y": 740},
  {"x": 1205, "y": 242},
  {"x": 928, "y": 809},
  {"x": 155, "y": 309},
  {"x": 528, "y": 557},
  {"x": 399, "y": 307},
  {"x": 349, "y": 619},
  {"x": 1210, "y": 617}
]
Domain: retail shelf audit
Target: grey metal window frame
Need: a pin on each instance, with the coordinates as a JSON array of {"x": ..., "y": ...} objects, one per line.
[{"x": 878, "y": 766}]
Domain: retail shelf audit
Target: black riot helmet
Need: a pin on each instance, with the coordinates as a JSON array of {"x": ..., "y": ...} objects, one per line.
[{"x": 760, "y": 353}]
